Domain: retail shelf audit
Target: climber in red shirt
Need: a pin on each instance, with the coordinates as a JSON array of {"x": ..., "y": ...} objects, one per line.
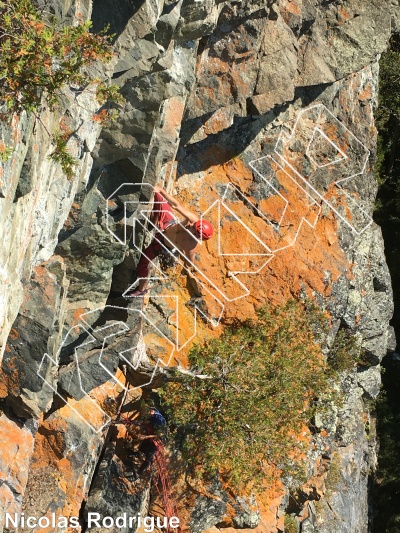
[{"x": 183, "y": 235}]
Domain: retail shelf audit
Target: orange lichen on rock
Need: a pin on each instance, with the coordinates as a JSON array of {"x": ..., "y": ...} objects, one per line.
[
  {"x": 64, "y": 455},
  {"x": 185, "y": 325},
  {"x": 291, "y": 10},
  {"x": 268, "y": 505},
  {"x": 250, "y": 262},
  {"x": 10, "y": 380},
  {"x": 49, "y": 443},
  {"x": 16, "y": 451},
  {"x": 13, "y": 334},
  {"x": 306, "y": 263},
  {"x": 343, "y": 15},
  {"x": 293, "y": 7},
  {"x": 16, "y": 128},
  {"x": 3, "y": 387},
  {"x": 366, "y": 93},
  {"x": 173, "y": 113},
  {"x": 77, "y": 314}
]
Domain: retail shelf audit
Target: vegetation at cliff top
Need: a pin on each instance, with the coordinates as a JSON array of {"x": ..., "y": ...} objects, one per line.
[
  {"x": 39, "y": 55},
  {"x": 386, "y": 500},
  {"x": 250, "y": 408},
  {"x": 387, "y": 116}
]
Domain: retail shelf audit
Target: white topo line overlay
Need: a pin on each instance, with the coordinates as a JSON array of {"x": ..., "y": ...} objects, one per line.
[
  {"x": 349, "y": 165},
  {"x": 313, "y": 125}
]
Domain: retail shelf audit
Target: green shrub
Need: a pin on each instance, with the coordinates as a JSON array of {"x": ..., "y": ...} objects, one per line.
[
  {"x": 334, "y": 474},
  {"x": 386, "y": 493},
  {"x": 344, "y": 353},
  {"x": 252, "y": 397},
  {"x": 106, "y": 93},
  {"x": 61, "y": 153},
  {"x": 5, "y": 152},
  {"x": 387, "y": 209},
  {"x": 40, "y": 56},
  {"x": 290, "y": 523},
  {"x": 387, "y": 115}
]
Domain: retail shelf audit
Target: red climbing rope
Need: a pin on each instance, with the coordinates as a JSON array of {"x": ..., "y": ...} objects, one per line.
[{"x": 166, "y": 492}]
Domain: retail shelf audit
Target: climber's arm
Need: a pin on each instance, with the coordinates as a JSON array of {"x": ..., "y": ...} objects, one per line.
[{"x": 175, "y": 204}]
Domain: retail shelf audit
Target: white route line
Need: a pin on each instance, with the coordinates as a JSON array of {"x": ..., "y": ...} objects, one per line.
[
  {"x": 247, "y": 201},
  {"x": 303, "y": 219},
  {"x": 344, "y": 156},
  {"x": 277, "y": 158},
  {"x": 284, "y": 137},
  {"x": 92, "y": 339}
]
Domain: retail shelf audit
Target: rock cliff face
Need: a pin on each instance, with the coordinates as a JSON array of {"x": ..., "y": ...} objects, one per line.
[{"x": 251, "y": 112}]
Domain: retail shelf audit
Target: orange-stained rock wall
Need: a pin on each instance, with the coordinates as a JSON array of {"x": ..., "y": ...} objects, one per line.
[{"x": 258, "y": 115}]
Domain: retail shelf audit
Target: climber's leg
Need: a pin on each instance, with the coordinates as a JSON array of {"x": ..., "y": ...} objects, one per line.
[
  {"x": 150, "y": 450},
  {"x": 143, "y": 268},
  {"x": 162, "y": 217}
]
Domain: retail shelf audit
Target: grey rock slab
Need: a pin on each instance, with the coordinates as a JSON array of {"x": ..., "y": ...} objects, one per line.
[
  {"x": 391, "y": 339},
  {"x": 94, "y": 368},
  {"x": 247, "y": 513},
  {"x": 36, "y": 331},
  {"x": 112, "y": 494},
  {"x": 374, "y": 349},
  {"x": 207, "y": 513},
  {"x": 370, "y": 380}
]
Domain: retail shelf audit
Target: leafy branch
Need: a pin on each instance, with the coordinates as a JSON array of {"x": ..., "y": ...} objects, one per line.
[
  {"x": 263, "y": 378},
  {"x": 61, "y": 153},
  {"x": 40, "y": 57},
  {"x": 5, "y": 152}
]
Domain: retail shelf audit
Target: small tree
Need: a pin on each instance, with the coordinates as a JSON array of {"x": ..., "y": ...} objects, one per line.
[
  {"x": 253, "y": 398},
  {"x": 39, "y": 56}
]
